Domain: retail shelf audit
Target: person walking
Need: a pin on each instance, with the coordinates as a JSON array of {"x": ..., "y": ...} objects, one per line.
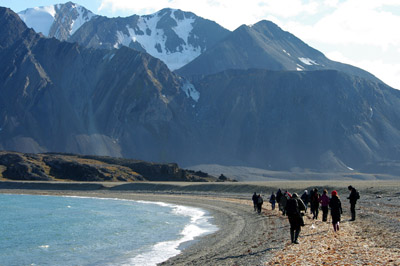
[
  {"x": 324, "y": 200},
  {"x": 353, "y": 197},
  {"x": 255, "y": 201},
  {"x": 284, "y": 200},
  {"x": 294, "y": 206},
  {"x": 260, "y": 202},
  {"x": 278, "y": 198},
  {"x": 305, "y": 198},
  {"x": 272, "y": 200},
  {"x": 336, "y": 210},
  {"x": 314, "y": 203}
]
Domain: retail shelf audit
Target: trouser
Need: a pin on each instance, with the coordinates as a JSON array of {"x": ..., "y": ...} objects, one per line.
[
  {"x": 315, "y": 210},
  {"x": 259, "y": 208},
  {"x": 335, "y": 226},
  {"x": 255, "y": 206},
  {"x": 353, "y": 211},
  {"x": 324, "y": 213},
  {"x": 273, "y": 205},
  {"x": 294, "y": 234}
]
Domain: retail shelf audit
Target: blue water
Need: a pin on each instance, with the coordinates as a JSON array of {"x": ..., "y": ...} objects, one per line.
[{"x": 51, "y": 230}]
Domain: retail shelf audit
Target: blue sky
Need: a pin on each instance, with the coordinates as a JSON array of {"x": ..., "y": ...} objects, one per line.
[{"x": 363, "y": 33}]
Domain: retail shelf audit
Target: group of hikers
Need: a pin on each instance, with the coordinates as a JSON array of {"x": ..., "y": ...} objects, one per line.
[{"x": 295, "y": 207}]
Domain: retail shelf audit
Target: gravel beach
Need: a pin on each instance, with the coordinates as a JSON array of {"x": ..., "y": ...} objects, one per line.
[{"x": 247, "y": 238}]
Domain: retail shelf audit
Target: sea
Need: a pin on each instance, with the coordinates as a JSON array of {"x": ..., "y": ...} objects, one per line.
[{"x": 57, "y": 230}]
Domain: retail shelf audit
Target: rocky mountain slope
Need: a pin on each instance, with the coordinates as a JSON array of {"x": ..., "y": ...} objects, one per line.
[
  {"x": 288, "y": 119},
  {"x": 69, "y": 167},
  {"x": 59, "y": 21},
  {"x": 61, "y": 97},
  {"x": 58, "y": 96},
  {"x": 265, "y": 46}
]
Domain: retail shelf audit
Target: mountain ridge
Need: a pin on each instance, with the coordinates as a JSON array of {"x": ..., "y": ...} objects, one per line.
[
  {"x": 62, "y": 97},
  {"x": 264, "y": 45}
]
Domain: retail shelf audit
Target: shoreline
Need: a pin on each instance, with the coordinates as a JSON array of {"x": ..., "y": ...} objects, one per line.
[
  {"x": 246, "y": 238},
  {"x": 230, "y": 244}
]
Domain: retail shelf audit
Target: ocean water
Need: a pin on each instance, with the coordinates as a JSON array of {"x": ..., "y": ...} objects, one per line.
[{"x": 52, "y": 230}]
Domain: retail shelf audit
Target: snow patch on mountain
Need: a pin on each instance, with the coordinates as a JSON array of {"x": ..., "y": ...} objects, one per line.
[
  {"x": 39, "y": 18},
  {"x": 68, "y": 16},
  {"x": 154, "y": 40},
  {"x": 286, "y": 52},
  {"x": 308, "y": 61},
  {"x": 190, "y": 91},
  {"x": 82, "y": 18},
  {"x": 299, "y": 67}
]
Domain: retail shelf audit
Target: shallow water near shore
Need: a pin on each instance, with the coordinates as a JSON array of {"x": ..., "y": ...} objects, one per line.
[{"x": 53, "y": 230}]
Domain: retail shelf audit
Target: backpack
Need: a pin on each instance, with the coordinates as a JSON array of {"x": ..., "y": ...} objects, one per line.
[
  {"x": 292, "y": 206},
  {"x": 357, "y": 195},
  {"x": 260, "y": 200}
]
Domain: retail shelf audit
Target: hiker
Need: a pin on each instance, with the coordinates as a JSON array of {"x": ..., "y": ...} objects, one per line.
[
  {"x": 314, "y": 203},
  {"x": 278, "y": 198},
  {"x": 272, "y": 200},
  {"x": 255, "y": 200},
  {"x": 283, "y": 201},
  {"x": 353, "y": 197},
  {"x": 305, "y": 198},
  {"x": 293, "y": 207},
  {"x": 336, "y": 210},
  {"x": 260, "y": 202},
  {"x": 324, "y": 200}
]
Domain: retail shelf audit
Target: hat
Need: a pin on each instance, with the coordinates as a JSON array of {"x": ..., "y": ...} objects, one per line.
[{"x": 334, "y": 193}]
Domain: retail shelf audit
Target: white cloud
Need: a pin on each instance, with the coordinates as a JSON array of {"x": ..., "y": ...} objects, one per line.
[{"x": 354, "y": 21}]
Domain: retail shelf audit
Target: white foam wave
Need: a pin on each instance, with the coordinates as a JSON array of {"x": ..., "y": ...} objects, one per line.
[{"x": 199, "y": 225}]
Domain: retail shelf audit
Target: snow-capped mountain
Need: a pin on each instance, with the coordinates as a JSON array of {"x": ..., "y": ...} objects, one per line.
[
  {"x": 60, "y": 96},
  {"x": 59, "y": 21},
  {"x": 174, "y": 36}
]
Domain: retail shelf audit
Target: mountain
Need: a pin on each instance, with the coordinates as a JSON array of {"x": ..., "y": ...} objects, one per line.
[
  {"x": 59, "y": 96},
  {"x": 62, "y": 97},
  {"x": 297, "y": 120},
  {"x": 174, "y": 36},
  {"x": 266, "y": 46},
  {"x": 59, "y": 21}
]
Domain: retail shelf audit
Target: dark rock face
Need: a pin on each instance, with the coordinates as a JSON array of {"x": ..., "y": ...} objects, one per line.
[
  {"x": 62, "y": 169},
  {"x": 282, "y": 120},
  {"x": 12, "y": 29},
  {"x": 20, "y": 169},
  {"x": 53, "y": 166},
  {"x": 58, "y": 96}
]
